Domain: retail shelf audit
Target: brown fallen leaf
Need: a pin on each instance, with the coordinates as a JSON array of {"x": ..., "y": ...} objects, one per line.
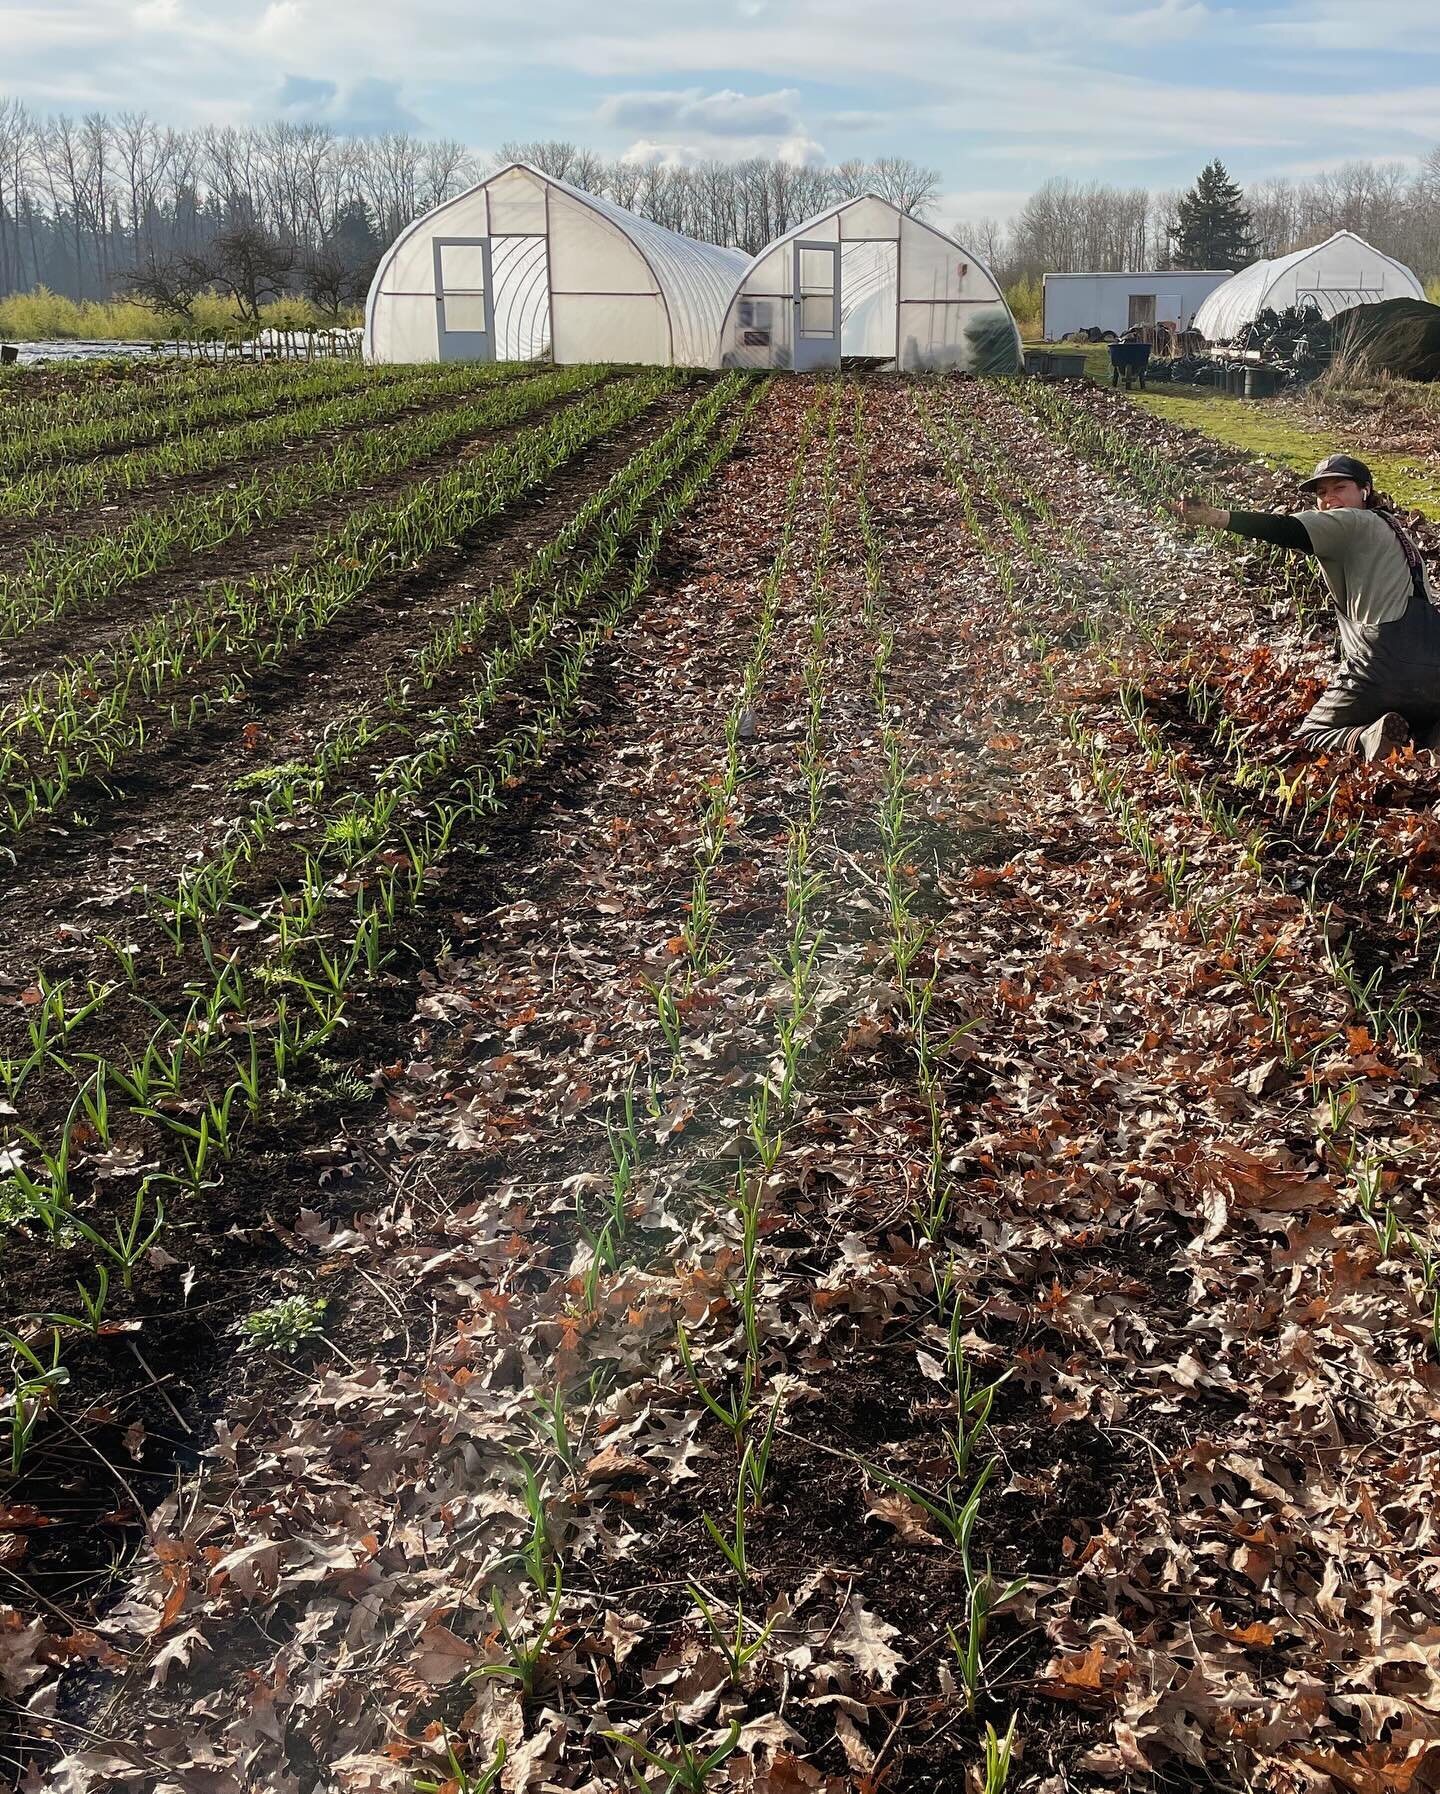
[
  {"x": 611, "y": 1462},
  {"x": 177, "y": 1650},
  {"x": 861, "y": 1636},
  {"x": 909, "y": 1519}
]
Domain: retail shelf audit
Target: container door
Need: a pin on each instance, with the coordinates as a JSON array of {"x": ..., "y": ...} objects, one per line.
[
  {"x": 464, "y": 302},
  {"x": 817, "y": 306}
]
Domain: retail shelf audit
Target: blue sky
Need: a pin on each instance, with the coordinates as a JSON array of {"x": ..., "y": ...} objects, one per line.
[{"x": 1130, "y": 91}]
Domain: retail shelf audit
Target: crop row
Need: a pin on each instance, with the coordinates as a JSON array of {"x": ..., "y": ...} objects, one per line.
[
  {"x": 1302, "y": 799},
  {"x": 62, "y": 573},
  {"x": 297, "y": 1012},
  {"x": 527, "y": 1606},
  {"x": 698, "y": 930},
  {"x": 1305, "y": 1045},
  {"x": 85, "y": 718},
  {"x": 96, "y": 422},
  {"x": 193, "y": 447},
  {"x": 569, "y": 569},
  {"x": 954, "y": 1502},
  {"x": 206, "y": 892},
  {"x": 461, "y": 721},
  {"x": 736, "y": 1397},
  {"x": 1157, "y": 480}
]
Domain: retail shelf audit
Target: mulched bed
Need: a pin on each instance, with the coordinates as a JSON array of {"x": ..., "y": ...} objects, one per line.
[{"x": 1213, "y": 1444}]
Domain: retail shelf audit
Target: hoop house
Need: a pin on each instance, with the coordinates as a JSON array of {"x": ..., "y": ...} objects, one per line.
[
  {"x": 866, "y": 279},
  {"x": 1342, "y": 271},
  {"x": 524, "y": 264}
]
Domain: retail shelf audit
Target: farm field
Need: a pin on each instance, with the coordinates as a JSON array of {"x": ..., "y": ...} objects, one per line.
[{"x": 694, "y": 1094}]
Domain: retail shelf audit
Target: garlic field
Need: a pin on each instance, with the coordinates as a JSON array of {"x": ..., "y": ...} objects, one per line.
[{"x": 695, "y": 1098}]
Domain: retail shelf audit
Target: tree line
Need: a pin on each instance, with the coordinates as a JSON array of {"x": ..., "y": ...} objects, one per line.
[
  {"x": 98, "y": 206},
  {"x": 102, "y": 205},
  {"x": 1067, "y": 225}
]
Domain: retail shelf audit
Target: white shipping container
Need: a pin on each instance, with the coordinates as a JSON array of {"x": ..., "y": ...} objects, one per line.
[{"x": 1120, "y": 301}]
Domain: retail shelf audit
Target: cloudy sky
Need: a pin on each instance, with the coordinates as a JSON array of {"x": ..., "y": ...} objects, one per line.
[{"x": 1141, "y": 91}]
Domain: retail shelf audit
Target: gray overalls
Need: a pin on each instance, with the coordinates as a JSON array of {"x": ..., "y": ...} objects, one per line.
[{"x": 1383, "y": 666}]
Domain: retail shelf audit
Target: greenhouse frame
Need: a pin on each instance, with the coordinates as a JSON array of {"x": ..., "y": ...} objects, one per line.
[
  {"x": 523, "y": 264},
  {"x": 865, "y": 279},
  {"x": 1332, "y": 276}
]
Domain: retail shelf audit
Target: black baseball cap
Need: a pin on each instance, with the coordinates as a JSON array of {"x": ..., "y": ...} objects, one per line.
[{"x": 1338, "y": 467}]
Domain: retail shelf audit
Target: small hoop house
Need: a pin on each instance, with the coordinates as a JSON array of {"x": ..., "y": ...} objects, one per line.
[
  {"x": 524, "y": 265},
  {"x": 1332, "y": 276},
  {"x": 866, "y": 279}
]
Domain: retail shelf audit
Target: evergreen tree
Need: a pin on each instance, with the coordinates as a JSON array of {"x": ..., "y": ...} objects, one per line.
[{"x": 1213, "y": 226}]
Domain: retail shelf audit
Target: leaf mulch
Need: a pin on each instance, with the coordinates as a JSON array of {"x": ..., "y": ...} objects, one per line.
[{"x": 1214, "y": 1462}]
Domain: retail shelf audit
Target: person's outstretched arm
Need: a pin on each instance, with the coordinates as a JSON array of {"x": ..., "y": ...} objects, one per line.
[{"x": 1261, "y": 526}]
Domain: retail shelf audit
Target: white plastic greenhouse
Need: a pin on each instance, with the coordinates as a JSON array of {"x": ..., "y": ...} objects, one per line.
[
  {"x": 523, "y": 264},
  {"x": 866, "y": 279},
  {"x": 1342, "y": 271}
]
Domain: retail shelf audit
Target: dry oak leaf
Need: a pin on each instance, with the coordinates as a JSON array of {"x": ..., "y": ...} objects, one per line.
[
  {"x": 1082, "y": 1675},
  {"x": 178, "y": 1649},
  {"x": 610, "y": 1462},
  {"x": 860, "y": 1636},
  {"x": 440, "y": 1655},
  {"x": 1383, "y": 1769},
  {"x": 910, "y": 1520},
  {"x": 623, "y": 1631}
]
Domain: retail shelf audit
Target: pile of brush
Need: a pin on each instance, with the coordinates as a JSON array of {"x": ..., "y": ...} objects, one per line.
[{"x": 1399, "y": 337}]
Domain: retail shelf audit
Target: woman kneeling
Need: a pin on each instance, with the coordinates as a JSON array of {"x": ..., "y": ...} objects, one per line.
[{"x": 1386, "y": 690}]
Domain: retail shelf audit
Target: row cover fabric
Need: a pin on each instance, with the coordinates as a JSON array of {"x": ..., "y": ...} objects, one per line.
[
  {"x": 1333, "y": 276},
  {"x": 569, "y": 272}
]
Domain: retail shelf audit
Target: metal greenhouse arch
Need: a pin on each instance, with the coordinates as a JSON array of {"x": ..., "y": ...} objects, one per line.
[
  {"x": 1341, "y": 272},
  {"x": 523, "y": 265},
  {"x": 865, "y": 279}
]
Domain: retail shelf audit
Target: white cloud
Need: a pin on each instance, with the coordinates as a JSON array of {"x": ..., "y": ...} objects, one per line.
[
  {"x": 281, "y": 20},
  {"x": 722, "y": 114},
  {"x": 997, "y": 100},
  {"x": 362, "y": 108},
  {"x": 797, "y": 149}
]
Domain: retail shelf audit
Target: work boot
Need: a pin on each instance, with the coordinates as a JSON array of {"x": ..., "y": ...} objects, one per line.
[{"x": 1383, "y": 737}]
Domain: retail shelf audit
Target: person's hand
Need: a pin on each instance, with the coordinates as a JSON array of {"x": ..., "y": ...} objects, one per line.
[{"x": 1192, "y": 513}]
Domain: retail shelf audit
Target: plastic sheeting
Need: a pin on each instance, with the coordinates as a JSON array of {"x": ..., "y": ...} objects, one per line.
[
  {"x": 909, "y": 294},
  {"x": 528, "y": 263},
  {"x": 1335, "y": 275}
]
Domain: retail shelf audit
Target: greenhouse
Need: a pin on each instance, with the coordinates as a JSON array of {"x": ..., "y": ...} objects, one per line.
[
  {"x": 523, "y": 266},
  {"x": 1331, "y": 276},
  {"x": 864, "y": 279}
]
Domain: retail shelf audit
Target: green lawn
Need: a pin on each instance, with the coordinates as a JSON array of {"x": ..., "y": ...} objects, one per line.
[
  {"x": 1256, "y": 428},
  {"x": 1244, "y": 424}
]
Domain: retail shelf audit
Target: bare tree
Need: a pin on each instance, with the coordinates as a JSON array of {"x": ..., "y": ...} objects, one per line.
[
  {"x": 251, "y": 265},
  {"x": 905, "y": 183},
  {"x": 86, "y": 205}
]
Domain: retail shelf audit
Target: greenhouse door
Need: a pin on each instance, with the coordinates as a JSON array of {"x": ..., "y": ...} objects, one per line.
[
  {"x": 817, "y": 306},
  {"x": 464, "y": 304}
]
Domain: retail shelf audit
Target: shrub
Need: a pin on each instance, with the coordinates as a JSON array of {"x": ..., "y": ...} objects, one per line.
[{"x": 43, "y": 316}]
